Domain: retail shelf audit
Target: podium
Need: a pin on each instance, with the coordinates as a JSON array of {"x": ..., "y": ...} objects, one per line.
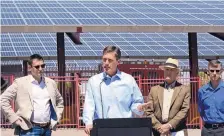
[{"x": 122, "y": 127}]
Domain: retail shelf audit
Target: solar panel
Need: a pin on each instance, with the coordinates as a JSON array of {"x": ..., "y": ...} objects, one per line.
[
  {"x": 24, "y": 53},
  {"x": 69, "y": 48},
  {"x": 164, "y": 53},
  {"x": 87, "y": 53},
  {"x": 157, "y": 48},
  {"x": 38, "y": 22},
  {"x": 103, "y": 39},
  {"x": 219, "y": 52},
  {"x": 207, "y": 52},
  {"x": 97, "y": 48},
  {"x": 127, "y": 48},
  {"x": 82, "y": 15},
  {"x": 21, "y": 48},
  {"x": 143, "y": 48},
  {"x": 82, "y": 48},
  {"x": 43, "y": 53},
  {"x": 100, "y": 10},
  {"x": 71, "y": 53},
  {"x": 121, "y": 13},
  {"x": 134, "y": 53},
  {"x": 131, "y": 44},
  {"x": 202, "y": 48},
  {"x": 149, "y": 53},
  {"x": 52, "y": 52},
  {"x": 92, "y": 21},
  {"x": 179, "y": 52}
]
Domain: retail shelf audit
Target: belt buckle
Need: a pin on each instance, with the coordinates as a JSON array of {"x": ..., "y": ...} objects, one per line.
[
  {"x": 43, "y": 125},
  {"x": 215, "y": 126}
]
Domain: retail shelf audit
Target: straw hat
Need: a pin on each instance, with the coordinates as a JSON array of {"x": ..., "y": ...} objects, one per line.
[{"x": 170, "y": 63}]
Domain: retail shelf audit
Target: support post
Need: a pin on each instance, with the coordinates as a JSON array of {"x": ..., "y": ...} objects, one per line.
[
  {"x": 61, "y": 54},
  {"x": 25, "y": 67}
]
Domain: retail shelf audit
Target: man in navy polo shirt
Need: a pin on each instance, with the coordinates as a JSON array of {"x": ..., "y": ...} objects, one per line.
[{"x": 211, "y": 101}]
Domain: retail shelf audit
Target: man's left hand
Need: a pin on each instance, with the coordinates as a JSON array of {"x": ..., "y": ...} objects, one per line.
[{"x": 164, "y": 129}]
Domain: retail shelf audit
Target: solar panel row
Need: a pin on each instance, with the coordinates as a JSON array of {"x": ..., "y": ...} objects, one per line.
[
  {"x": 95, "y": 63},
  {"x": 131, "y": 44},
  {"x": 112, "y": 13}
]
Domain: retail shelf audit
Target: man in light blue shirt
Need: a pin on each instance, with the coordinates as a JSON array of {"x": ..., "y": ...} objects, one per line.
[{"x": 112, "y": 93}]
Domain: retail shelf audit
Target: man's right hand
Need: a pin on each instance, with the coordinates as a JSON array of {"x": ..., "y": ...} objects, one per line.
[
  {"x": 143, "y": 106},
  {"x": 88, "y": 129},
  {"x": 18, "y": 121}
]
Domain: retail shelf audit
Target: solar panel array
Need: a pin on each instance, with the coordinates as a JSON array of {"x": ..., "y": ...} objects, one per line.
[
  {"x": 138, "y": 12},
  {"x": 70, "y": 64},
  {"x": 131, "y": 44},
  {"x": 110, "y": 13}
]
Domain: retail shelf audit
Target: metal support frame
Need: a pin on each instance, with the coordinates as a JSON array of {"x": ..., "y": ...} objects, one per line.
[
  {"x": 61, "y": 54},
  {"x": 193, "y": 54},
  {"x": 25, "y": 67},
  {"x": 75, "y": 37},
  {"x": 24, "y": 28},
  {"x": 193, "y": 62},
  {"x": 218, "y": 35}
]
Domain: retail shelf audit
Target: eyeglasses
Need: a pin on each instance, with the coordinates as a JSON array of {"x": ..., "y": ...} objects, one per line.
[
  {"x": 217, "y": 71},
  {"x": 38, "y": 66}
]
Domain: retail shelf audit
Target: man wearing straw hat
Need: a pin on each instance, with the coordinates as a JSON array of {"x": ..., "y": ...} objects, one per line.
[{"x": 169, "y": 103}]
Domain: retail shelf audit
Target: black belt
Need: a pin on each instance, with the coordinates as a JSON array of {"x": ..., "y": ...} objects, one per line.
[
  {"x": 47, "y": 124},
  {"x": 214, "y": 126}
]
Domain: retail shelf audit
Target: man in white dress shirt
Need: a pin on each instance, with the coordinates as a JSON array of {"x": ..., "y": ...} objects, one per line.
[
  {"x": 112, "y": 93},
  {"x": 38, "y": 103}
]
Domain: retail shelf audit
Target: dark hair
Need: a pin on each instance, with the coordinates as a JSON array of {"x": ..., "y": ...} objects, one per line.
[
  {"x": 115, "y": 49},
  {"x": 34, "y": 56},
  {"x": 214, "y": 63}
]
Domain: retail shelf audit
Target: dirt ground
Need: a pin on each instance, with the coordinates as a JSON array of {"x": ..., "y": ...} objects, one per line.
[{"x": 76, "y": 132}]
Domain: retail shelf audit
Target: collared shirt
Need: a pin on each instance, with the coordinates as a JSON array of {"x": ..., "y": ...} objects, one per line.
[
  {"x": 211, "y": 103},
  {"x": 120, "y": 97},
  {"x": 168, "y": 94},
  {"x": 41, "y": 102}
]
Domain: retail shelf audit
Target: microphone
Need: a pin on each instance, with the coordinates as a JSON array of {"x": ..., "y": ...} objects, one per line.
[{"x": 101, "y": 95}]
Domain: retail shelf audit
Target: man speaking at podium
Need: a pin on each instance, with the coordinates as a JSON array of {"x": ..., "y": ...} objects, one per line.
[{"x": 112, "y": 93}]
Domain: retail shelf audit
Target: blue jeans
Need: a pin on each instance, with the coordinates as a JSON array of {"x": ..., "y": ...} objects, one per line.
[{"x": 36, "y": 131}]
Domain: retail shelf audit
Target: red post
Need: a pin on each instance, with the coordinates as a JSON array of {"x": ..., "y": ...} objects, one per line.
[
  {"x": 77, "y": 100},
  {"x": 11, "y": 81},
  {"x": 140, "y": 82},
  {"x": 200, "y": 121}
]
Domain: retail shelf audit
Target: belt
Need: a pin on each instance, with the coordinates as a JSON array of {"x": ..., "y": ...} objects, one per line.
[
  {"x": 214, "y": 126},
  {"x": 47, "y": 124}
]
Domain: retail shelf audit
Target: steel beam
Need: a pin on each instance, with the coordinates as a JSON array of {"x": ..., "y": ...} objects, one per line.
[
  {"x": 61, "y": 54},
  {"x": 25, "y": 67},
  {"x": 218, "y": 35},
  {"x": 193, "y": 54},
  {"x": 112, "y": 28}
]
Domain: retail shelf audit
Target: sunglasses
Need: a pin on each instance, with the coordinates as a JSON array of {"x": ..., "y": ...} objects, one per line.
[
  {"x": 217, "y": 71},
  {"x": 38, "y": 66}
]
